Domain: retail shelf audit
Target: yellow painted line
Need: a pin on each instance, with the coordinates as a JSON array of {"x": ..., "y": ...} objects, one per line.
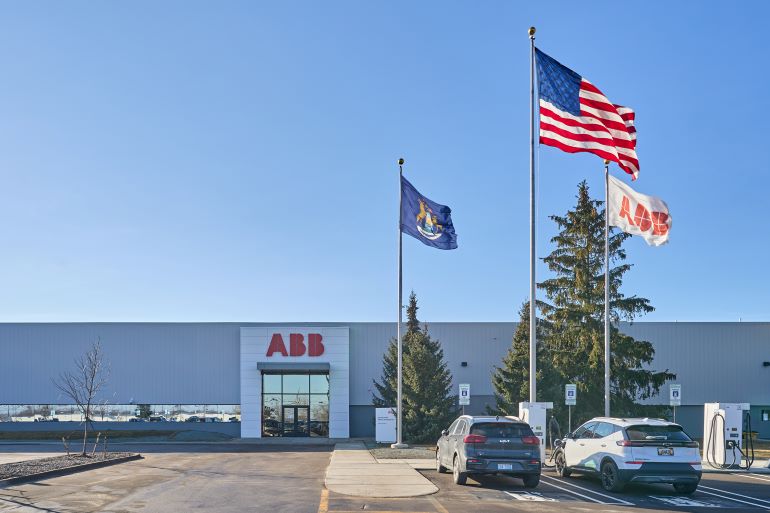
[
  {"x": 323, "y": 506},
  {"x": 437, "y": 505}
]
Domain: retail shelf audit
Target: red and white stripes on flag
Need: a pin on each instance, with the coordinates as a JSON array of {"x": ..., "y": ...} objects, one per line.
[{"x": 602, "y": 128}]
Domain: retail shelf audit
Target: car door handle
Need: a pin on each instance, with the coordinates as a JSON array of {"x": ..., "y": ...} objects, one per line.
[{"x": 604, "y": 445}]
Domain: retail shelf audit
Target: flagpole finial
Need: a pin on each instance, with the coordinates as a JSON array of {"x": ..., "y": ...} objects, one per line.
[
  {"x": 531, "y": 32},
  {"x": 606, "y": 162},
  {"x": 401, "y": 162}
]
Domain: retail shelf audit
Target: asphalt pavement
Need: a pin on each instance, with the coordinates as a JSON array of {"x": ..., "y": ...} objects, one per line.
[{"x": 497, "y": 494}]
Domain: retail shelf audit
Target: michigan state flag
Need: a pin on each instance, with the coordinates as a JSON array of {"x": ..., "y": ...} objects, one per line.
[{"x": 425, "y": 220}]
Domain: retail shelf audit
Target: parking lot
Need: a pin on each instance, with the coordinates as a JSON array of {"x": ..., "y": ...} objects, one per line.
[
  {"x": 728, "y": 492},
  {"x": 243, "y": 477}
]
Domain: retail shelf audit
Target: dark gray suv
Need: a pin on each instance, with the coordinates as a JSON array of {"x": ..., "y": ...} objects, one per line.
[{"x": 489, "y": 445}]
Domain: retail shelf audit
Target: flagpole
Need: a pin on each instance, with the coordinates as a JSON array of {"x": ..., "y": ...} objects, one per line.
[
  {"x": 606, "y": 288},
  {"x": 399, "y": 412},
  {"x": 532, "y": 261}
]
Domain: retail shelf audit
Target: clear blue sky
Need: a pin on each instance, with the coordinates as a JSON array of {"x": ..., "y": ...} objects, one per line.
[{"x": 183, "y": 161}]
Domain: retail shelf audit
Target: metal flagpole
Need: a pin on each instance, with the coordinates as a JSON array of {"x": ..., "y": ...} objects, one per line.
[
  {"x": 606, "y": 288},
  {"x": 532, "y": 261},
  {"x": 399, "y": 413}
]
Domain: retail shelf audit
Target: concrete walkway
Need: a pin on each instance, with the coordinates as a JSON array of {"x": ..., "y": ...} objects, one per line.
[{"x": 354, "y": 471}]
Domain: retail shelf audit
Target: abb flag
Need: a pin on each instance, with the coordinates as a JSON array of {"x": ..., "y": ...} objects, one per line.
[{"x": 638, "y": 214}]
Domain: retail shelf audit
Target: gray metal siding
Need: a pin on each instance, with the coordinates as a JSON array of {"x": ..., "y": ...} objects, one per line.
[
  {"x": 197, "y": 363},
  {"x": 714, "y": 361}
]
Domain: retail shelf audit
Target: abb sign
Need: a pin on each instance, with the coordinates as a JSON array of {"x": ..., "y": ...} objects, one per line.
[
  {"x": 643, "y": 218},
  {"x": 297, "y": 346},
  {"x": 637, "y": 213}
]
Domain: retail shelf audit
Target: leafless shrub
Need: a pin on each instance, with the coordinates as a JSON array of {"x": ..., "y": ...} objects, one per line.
[{"x": 83, "y": 384}]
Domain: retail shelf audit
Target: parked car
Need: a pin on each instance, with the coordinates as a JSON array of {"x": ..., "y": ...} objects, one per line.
[
  {"x": 233, "y": 419},
  {"x": 489, "y": 445},
  {"x": 137, "y": 419},
  {"x": 157, "y": 418},
  {"x": 193, "y": 418},
  {"x": 212, "y": 419},
  {"x": 622, "y": 451}
]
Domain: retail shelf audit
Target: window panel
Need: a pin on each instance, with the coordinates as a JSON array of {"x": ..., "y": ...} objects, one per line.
[
  {"x": 271, "y": 383},
  {"x": 319, "y": 383},
  {"x": 296, "y": 384}
]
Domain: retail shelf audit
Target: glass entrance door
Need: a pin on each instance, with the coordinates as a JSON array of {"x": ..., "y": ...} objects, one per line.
[{"x": 296, "y": 421}]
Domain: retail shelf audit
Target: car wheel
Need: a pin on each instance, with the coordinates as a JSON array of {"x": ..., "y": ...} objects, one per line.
[
  {"x": 439, "y": 467},
  {"x": 686, "y": 488},
  {"x": 611, "y": 477},
  {"x": 531, "y": 481},
  {"x": 459, "y": 477},
  {"x": 561, "y": 465}
]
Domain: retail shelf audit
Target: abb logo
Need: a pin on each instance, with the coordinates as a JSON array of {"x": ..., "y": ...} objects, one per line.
[
  {"x": 296, "y": 345},
  {"x": 643, "y": 218}
]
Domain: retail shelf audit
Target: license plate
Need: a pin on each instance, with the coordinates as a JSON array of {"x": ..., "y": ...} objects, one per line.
[
  {"x": 504, "y": 466},
  {"x": 665, "y": 451}
]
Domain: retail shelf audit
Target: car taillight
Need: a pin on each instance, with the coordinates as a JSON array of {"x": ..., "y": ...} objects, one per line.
[
  {"x": 629, "y": 443},
  {"x": 475, "y": 439},
  {"x": 530, "y": 440}
]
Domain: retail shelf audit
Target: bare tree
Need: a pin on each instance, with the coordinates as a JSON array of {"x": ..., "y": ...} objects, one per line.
[{"x": 83, "y": 384}]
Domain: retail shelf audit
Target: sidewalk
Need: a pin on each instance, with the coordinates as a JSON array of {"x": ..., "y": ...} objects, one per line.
[
  {"x": 760, "y": 466},
  {"x": 354, "y": 471}
]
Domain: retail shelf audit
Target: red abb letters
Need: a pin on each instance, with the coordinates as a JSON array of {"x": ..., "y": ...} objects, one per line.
[
  {"x": 297, "y": 345},
  {"x": 643, "y": 218}
]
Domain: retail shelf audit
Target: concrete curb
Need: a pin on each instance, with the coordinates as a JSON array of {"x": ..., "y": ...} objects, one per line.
[
  {"x": 66, "y": 471},
  {"x": 354, "y": 471}
]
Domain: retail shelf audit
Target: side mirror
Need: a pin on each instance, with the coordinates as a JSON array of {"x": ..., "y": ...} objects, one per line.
[{"x": 444, "y": 432}]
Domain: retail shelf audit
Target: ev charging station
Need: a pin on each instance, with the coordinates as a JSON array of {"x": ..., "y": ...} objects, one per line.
[
  {"x": 723, "y": 434},
  {"x": 535, "y": 414}
]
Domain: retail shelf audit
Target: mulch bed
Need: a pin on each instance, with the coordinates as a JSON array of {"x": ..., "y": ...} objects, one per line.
[{"x": 58, "y": 465}]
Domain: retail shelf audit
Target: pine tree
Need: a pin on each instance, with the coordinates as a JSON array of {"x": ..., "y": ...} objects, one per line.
[
  {"x": 511, "y": 381},
  {"x": 575, "y": 314},
  {"x": 428, "y": 404}
]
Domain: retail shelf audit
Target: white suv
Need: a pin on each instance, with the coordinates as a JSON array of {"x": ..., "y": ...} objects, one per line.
[{"x": 621, "y": 451}]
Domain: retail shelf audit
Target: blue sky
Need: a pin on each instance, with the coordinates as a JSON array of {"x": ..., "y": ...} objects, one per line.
[{"x": 235, "y": 161}]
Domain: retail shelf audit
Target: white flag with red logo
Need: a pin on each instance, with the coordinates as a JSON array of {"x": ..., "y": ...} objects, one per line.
[{"x": 638, "y": 214}]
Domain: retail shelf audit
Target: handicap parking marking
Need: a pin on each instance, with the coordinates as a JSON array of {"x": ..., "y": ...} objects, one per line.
[
  {"x": 531, "y": 496},
  {"x": 550, "y": 481},
  {"x": 684, "y": 502}
]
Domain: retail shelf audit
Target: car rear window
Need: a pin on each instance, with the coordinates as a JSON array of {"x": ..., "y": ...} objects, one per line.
[
  {"x": 660, "y": 433},
  {"x": 500, "y": 429}
]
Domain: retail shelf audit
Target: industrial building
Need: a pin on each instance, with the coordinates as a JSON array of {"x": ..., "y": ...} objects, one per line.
[{"x": 316, "y": 379}]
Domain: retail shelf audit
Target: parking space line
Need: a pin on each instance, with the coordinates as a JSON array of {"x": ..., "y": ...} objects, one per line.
[
  {"x": 323, "y": 506},
  {"x": 734, "y": 499},
  {"x": 733, "y": 493},
  {"x": 574, "y": 493},
  {"x": 617, "y": 500},
  {"x": 758, "y": 478},
  {"x": 437, "y": 505}
]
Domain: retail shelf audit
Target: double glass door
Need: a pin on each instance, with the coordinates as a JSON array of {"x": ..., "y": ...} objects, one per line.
[{"x": 296, "y": 421}]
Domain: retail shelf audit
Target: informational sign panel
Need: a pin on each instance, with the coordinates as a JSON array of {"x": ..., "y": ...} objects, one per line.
[
  {"x": 570, "y": 395},
  {"x": 465, "y": 394},
  {"x": 675, "y": 395},
  {"x": 385, "y": 425}
]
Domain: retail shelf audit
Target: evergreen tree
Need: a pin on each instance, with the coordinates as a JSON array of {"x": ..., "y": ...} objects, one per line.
[
  {"x": 575, "y": 314},
  {"x": 428, "y": 404},
  {"x": 511, "y": 381}
]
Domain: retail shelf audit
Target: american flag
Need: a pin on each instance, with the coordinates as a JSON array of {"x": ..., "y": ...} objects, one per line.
[{"x": 575, "y": 116}]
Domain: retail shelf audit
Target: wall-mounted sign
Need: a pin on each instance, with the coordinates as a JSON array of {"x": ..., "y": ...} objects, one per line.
[{"x": 297, "y": 346}]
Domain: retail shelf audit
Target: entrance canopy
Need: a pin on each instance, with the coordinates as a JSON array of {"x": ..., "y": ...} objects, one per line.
[{"x": 293, "y": 366}]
